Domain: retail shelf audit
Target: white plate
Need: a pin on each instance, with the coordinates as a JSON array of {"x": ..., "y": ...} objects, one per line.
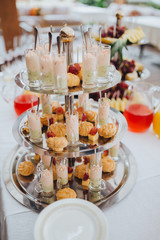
[{"x": 71, "y": 219}]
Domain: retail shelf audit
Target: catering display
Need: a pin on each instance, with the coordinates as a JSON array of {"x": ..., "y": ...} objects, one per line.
[{"x": 64, "y": 139}]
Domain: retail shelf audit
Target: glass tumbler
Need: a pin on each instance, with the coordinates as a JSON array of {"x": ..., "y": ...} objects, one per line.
[
  {"x": 89, "y": 68},
  {"x": 34, "y": 125},
  {"x": 103, "y": 63},
  {"x": 62, "y": 172},
  {"x": 60, "y": 72},
  {"x": 33, "y": 67},
  {"x": 72, "y": 127}
]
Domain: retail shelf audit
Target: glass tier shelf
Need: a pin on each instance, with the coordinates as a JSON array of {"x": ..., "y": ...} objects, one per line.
[
  {"x": 113, "y": 78},
  {"x": 83, "y": 147}
]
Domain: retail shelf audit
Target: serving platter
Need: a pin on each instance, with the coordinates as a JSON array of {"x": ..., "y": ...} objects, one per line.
[
  {"x": 83, "y": 147},
  {"x": 113, "y": 78},
  {"x": 118, "y": 185}
]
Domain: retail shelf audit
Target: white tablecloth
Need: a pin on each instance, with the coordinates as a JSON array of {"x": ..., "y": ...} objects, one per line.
[{"x": 137, "y": 217}]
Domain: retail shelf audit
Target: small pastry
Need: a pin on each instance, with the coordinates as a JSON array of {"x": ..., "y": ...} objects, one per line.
[
  {"x": 67, "y": 34},
  {"x": 131, "y": 76},
  {"x": 59, "y": 129},
  {"x": 105, "y": 153},
  {"x": 60, "y": 113},
  {"x": 108, "y": 164},
  {"x": 93, "y": 136},
  {"x": 80, "y": 111},
  {"x": 91, "y": 115},
  {"x": 26, "y": 168},
  {"x": 52, "y": 119},
  {"x": 85, "y": 128},
  {"x": 70, "y": 173},
  {"x": 57, "y": 143},
  {"x": 37, "y": 158},
  {"x": 73, "y": 80},
  {"x": 55, "y": 105},
  {"x": 66, "y": 193},
  {"x": 85, "y": 181},
  {"x": 80, "y": 170},
  {"x": 108, "y": 130},
  {"x": 26, "y": 128}
]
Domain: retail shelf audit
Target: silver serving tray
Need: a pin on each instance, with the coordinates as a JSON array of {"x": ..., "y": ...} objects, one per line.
[
  {"x": 118, "y": 185},
  {"x": 84, "y": 146},
  {"x": 113, "y": 78}
]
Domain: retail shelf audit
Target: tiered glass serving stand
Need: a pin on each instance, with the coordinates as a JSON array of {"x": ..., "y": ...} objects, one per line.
[{"x": 118, "y": 184}]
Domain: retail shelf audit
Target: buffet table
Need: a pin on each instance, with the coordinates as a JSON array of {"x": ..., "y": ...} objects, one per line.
[{"x": 135, "y": 217}]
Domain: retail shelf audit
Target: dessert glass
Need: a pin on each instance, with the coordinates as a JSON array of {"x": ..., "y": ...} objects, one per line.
[
  {"x": 60, "y": 72},
  {"x": 72, "y": 127},
  {"x": 46, "y": 161},
  {"x": 47, "y": 182},
  {"x": 33, "y": 67},
  {"x": 96, "y": 181},
  {"x": 103, "y": 110},
  {"x": 113, "y": 151},
  {"x": 62, "y": 172},
  {"x": 103, "y": 62},
  {"x": 89, "y": 68},
  {"x": 83, "y": 100},
  {"x": 34, "y": 124},
  {"x": 47, "y": 77},
  {"x": 46, "y": 103}
]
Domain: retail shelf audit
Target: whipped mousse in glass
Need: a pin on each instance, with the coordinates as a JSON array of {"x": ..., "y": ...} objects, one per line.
[
  {"x": 103, "y": 110},
  {"x": 89, "y": 68},
  {"x": 60, "y": 72},
  {"x": 72, "y": 127},
  {"x": 34, "y": 124},
  {"x": 46, "y": 103},
  {"x": 33, "y": 65},
  {"x": 83, "y": 101},
  {"x": 47, "y": 181},
  {"x": 95, "y": 175},
  {"x": 46, "y": 160},
  {"x": 62, "y": 172},
  {"x": 47, "y": 77},
  {"x": 113, "y": 151},
  {"x": 103, "y": 62}
]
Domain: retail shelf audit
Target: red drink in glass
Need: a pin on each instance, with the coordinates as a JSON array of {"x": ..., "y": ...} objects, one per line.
[
  {"x": 23, "y": 102},
  {"x": 139, "y": 117}
]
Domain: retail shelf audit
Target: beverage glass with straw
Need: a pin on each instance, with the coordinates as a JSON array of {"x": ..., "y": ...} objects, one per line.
[{"x": 34, "y": 124}]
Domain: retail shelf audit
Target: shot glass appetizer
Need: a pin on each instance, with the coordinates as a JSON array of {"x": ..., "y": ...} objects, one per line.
[
  {"x": 60, "y": 72},
  {"x": 47, "y": 182},
  {"x": 96, "y": 181},
  {"x": 62, "y": 172},
  {"x": 72, "y": 128},
  {"x": 89, "y": 69},
  {"x": 103, "y": 62},
  {"x": 46, "y": 161},
  {"x": 33, "y": 67},
  {"x": 34, "y": 125},
  {"x": 83, "y": 101},
  {"x": 47, "y": 77},
  {"x": 113, "y": 151},
  {"x": 103, "y": 110},
  {"x": 46, "y": 103}
]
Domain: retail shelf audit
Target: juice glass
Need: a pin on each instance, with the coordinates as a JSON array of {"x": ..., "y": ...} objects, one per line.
[
  {"x": 156, "y": 123},
  {"x": 139, "y": 112}
]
